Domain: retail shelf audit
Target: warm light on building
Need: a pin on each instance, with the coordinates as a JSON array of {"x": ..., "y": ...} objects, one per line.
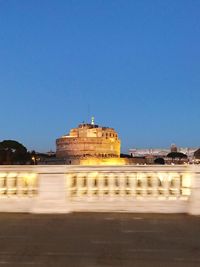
[
  {"x": 89, "y": 141},
  {"x": 101, "y": 161}
]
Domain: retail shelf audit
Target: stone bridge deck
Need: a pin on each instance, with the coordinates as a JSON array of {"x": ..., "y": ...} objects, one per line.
[{"x": 99, "y": 240}]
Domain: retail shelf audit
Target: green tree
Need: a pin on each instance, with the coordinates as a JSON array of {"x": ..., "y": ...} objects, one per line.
[{"x": 13, "y": 152}]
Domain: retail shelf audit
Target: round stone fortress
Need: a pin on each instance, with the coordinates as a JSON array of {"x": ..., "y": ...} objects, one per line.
[{"x": 88, "y": 141}]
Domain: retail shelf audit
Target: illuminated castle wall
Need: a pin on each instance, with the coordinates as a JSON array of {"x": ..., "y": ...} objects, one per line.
[{"x": 89, "y": 140}]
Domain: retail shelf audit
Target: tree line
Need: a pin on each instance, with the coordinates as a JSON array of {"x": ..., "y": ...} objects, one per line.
[{"x": 13, "y": 152}]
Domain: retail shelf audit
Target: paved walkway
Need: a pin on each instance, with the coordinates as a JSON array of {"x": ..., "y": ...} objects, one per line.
[{"x": 97, "y": 240}]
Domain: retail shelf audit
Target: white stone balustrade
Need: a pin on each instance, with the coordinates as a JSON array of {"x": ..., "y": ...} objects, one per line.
[
  {"x": 116, "y": 184},
  {"x": 62, "y": 188},
  {"x": 18, "y": 184}
]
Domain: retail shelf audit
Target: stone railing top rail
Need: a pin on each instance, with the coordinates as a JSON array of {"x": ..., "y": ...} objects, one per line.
[{"x": 118, "y": 168}]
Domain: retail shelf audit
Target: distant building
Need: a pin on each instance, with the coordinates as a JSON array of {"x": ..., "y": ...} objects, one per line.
[
  {"x": 153, "y": 153},
  {"x": 135, "y": 152},
  {"x": 88, "y": 140},
  {"x": 197, "y": 156},
  {"x": 51, "y": 153},
  {"x": 174, "y": 148}
]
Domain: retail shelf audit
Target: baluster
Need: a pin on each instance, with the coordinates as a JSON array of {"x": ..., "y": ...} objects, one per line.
[
  {"x": 84, "y": 184},
  {"x": 144, "y": 184},
  {"x": 186, "y": 185},
  {"x": 138, "y": 184},
  {"x": 25, "y": 184},
  {"x": 122, "y": 184},
  {"x": 111, "y": 190},
  {"x": 166, "y": 183},
  {"x": 31, "y": 183},
  {"x": 79, "y": 191},
  {"x": 95, "y": 185},
  {"x": 89, "y": 186},
  {"x": 100, "y": 185},
  {"x": 133, "y": 184},
  {"x": 11, "y": 184},
  {"x": 3, "y": 183},
  {"x": 105, "y": 184},
  {"x": 177, "y": 185},
  {"x": 149, "y": 184},
  {"x": 172, "y": 185},
  {"x": 20, "y": 191},
  {"x": 116, "y": 185},
  {"x": 127, "y": 185},
  {"x": 162, "y": 185},
  {"x": 155, "y": 184},
  {"x": 74, "y": 185}
]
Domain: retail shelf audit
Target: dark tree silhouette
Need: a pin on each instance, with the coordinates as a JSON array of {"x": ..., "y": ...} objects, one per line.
[
  {"x": 197, "y": 154},
  {"x": 125, "y": 156},
  {"x": 177, "y": 155},
  {"x": 160, "y": 161},
  {"x": 12, "y": 152}
]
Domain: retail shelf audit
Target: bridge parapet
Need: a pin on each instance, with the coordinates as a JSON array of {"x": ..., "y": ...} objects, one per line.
[{"x": 64, "y": 188}]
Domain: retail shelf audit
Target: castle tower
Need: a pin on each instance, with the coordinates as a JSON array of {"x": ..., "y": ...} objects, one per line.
[{"x": 89, "y": 140}]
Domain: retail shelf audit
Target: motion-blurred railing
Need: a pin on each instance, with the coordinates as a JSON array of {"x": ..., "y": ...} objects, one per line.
[
  {"x": 20, "y": 184},
  {"x": 62, "y": 189},
  {"x": 115, "y": 185}
]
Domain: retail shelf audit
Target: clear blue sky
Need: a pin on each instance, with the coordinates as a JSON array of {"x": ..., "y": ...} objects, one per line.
[{"x": 134, "y": 65}]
